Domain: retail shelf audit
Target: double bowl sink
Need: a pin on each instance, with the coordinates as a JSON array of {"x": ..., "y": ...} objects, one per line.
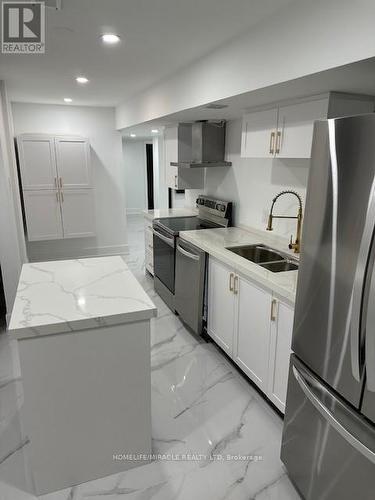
[{"x": 266, "y": 257}]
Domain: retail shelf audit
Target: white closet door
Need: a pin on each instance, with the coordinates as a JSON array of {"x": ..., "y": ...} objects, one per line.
[
  {"x": 77, "y": 207},
  {"x": 37, "y": 162},
  {"x": 43, "y": 215},
  {"x": 73, "y": 162}
]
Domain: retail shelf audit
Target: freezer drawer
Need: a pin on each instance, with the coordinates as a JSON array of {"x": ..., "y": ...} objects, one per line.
[{"x": 327, "y": 447}]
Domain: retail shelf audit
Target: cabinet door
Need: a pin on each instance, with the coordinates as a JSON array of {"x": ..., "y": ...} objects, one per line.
[
  {"x": 259, "y": 134},
  {"x": 221, "y": 305},
  {"x": 253, "y": 332},
  {"x": 77, "y": 207},
  {"x": 280, "y": 350},
  {"x": 295, "y": 128},
  {"x": 73, "y": 163},
  {"x": 37, "y": 162},
  {"x": 43, "y": 215}
]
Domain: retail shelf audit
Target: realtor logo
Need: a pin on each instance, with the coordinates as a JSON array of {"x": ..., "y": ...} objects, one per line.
[{"x": 23, "y": 28}]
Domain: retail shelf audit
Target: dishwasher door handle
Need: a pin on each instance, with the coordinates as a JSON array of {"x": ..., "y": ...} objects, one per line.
[
  {"x": 187, "y": 254},
  {"x": 167, "y": 240}
]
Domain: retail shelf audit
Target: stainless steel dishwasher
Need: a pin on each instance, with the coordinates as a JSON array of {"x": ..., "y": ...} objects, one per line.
[{"x": 189, "y": 284}]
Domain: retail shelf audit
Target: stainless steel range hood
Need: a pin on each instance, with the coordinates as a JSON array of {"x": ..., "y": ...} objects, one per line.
[{"x": 207, "y": 146}]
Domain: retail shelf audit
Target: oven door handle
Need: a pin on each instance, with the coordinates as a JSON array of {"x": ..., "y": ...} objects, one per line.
[
  {"x": 187, "y": 254},
  {"x": 169, "y": 241}
]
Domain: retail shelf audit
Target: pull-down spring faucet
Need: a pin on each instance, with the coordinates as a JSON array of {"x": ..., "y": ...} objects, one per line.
[{"x": 296, "y": 246}]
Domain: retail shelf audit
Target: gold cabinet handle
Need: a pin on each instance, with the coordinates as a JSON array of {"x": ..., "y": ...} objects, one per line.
[
  {"x": 235, "y": 290},
  {"x": 273, "y": 309},
  {"x": 278, "y": 142},
  {"x": 231, "y": 282},
  {"x": 272, "y": 143}
]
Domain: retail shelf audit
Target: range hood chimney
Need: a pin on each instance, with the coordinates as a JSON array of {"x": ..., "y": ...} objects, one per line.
[{"x": 207, "y": 146}]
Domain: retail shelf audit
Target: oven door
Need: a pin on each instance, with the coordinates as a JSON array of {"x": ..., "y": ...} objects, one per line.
[{"x": 164, "y": 256}]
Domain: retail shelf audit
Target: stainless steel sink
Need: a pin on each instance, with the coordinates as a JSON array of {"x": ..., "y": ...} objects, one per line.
[
  {"x": 280, "y": 267},
  {"x": 257, "y": 253},
  {"x": 266, "y": 257}
]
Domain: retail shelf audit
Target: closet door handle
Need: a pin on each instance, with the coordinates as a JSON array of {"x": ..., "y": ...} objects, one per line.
[
  {"x": 272, "y": 143},
  {"x": 278, "y": 142},
  {"x": 273, "y": 309},
  {"x": 231, "y": 282}
]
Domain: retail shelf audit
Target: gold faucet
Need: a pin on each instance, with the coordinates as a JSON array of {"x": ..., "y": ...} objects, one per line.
[{"x": 296, "y": 246}]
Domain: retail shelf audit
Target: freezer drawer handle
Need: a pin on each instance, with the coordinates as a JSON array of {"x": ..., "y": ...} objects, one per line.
[
  {"x": 187, "y": 254},
  {"x": 328, "y": 416},
  {"x": 162, "y": 237},
  {"x": 370, "y": 335}
]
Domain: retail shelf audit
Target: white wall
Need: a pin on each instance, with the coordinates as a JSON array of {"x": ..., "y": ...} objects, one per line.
[
  {"x": 134, "y": 157},
  {"x": 98, "y": 124},
  {"x": 12, "y": 245},
  {"x": 299, "y": 40},
  {"x": 252, "y": 183}
]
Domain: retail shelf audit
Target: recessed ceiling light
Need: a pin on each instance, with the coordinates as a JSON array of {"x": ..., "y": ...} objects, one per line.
[
  {"x": 133, "y": 135},
  {"x": 110, "y": 38},
  {"x": 155, "y": 131},
  {"x": 82, "y": 79},
  {"x": 67, "y": 99}
]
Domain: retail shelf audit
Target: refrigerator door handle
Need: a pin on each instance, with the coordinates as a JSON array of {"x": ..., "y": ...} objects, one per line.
[
  {"x": 370, "y": 335},
  {"x": 358, "y": 286},
  {"x": 329, "y": 417}
]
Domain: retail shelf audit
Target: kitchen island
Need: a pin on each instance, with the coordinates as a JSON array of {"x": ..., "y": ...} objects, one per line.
[{"x": 83, "y": 330}]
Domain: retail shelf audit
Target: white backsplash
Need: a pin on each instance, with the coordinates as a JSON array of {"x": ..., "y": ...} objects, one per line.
[{"x": 252, "y": 183}]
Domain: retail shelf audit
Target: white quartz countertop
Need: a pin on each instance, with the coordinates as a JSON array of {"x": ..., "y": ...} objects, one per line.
[
  {"x": 216, "y": 241},
  {"x": 169, "y": 212},
  {"x": 69, "y": 295}
]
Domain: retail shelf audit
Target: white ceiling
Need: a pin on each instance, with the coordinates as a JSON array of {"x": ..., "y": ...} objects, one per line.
[{"x": 158, "y": 38}]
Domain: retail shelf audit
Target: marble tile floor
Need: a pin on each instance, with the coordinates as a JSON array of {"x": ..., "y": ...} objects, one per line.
[{"x": 203, "y": 407}]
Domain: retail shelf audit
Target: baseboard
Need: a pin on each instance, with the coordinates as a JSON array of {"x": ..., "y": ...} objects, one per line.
[
  {"x": 82, "y": 253},
  {"x": 134, "y": 211}
]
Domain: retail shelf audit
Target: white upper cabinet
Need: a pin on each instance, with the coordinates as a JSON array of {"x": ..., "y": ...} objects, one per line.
[
  {"x": 37, "y": 162},
  {"x": 259, "y": 134},
  {"x": 295, "y": 127},
  {"x": 286, "y": 130},
  {"x": 73, "y": 163}
]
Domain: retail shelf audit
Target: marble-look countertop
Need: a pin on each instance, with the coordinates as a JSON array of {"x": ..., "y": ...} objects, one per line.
[
  {"x": 216, "y": 241},
  {"x": 70, "y": 295},
  {"x": 169, "y": 212}
]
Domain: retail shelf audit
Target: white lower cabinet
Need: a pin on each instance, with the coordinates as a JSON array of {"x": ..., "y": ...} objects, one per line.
[
  {"x": 252, "y": 327},
  {"x": 253, "y": 332},
  {"x": 43, "y": 215},
  {"x": 280, "y": 350},
  {"x": 221, "y": 305},
  {"x": 77, "y": 210}
]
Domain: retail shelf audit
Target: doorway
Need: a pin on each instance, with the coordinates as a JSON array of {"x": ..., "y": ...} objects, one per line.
[{"x": 150, "y": 175}]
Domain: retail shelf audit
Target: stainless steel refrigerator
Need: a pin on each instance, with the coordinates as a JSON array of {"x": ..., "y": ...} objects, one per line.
[{"x": 328, "y": 444}]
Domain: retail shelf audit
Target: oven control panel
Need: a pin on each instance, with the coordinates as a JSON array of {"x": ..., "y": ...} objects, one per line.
[{"x": 218, "y": 208}]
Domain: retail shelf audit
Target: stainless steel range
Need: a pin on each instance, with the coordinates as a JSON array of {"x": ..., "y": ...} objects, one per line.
[{"x": 167, "y": 249}]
